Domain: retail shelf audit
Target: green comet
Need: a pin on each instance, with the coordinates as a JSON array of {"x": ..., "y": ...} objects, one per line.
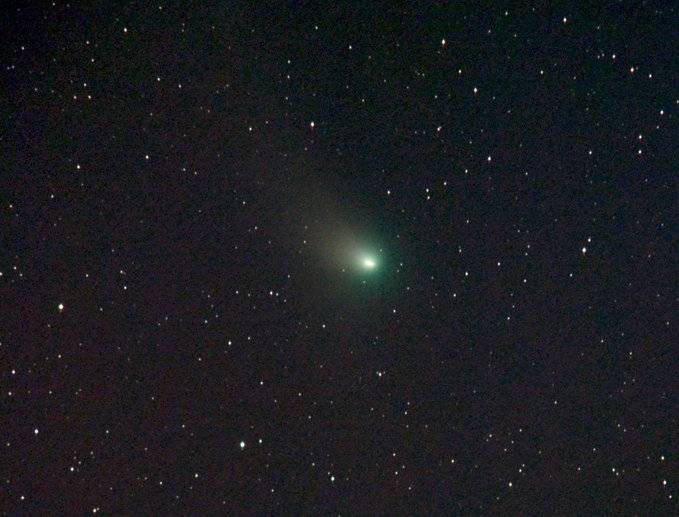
[{"x": 369, "y": 263}]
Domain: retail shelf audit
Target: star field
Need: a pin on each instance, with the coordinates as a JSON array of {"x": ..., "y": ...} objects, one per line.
[{"x": 339, "y": 259}]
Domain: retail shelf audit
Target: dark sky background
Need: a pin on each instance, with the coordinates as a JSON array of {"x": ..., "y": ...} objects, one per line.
[{"x": 181, "y": 332}]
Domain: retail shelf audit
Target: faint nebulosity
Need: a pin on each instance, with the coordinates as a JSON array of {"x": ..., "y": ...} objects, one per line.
[{"x": 355, "y": 258}]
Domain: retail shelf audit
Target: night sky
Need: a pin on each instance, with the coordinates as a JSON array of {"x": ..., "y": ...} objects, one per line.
[{"x": 306, "y": 258}]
